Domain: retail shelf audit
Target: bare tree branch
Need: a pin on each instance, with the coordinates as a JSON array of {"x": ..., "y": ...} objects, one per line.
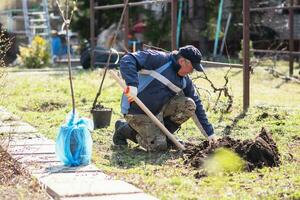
[{"x": 219, "y": 90}]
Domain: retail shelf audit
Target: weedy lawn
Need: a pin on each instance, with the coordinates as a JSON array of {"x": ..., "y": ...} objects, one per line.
[{"x": 44, "y": 100}]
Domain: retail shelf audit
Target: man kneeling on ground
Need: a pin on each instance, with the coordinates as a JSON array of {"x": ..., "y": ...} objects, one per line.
[{"x": 160, "y": 80}]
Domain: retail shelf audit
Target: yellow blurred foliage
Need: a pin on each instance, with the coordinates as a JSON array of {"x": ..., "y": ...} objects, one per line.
[
  {"x": 35, "y": 55},
  {"x": 224, "y": 160}
]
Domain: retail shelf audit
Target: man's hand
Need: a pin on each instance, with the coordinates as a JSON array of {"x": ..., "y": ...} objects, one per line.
[
  {"x": 131, "y": 93},
  {"x": 212, "y": 139}
]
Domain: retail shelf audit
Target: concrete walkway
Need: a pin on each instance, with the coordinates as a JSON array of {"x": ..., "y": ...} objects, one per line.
[{"x": 37, "y": 155}]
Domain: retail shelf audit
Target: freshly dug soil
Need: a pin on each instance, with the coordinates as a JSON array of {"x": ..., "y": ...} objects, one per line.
[
  {"x": 99, "y": 107},
  {"x": 260, "y": 152}
]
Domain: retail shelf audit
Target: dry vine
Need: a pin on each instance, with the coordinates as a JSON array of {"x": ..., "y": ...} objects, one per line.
[
  {"x": 219, "y": 90},
  {"x": 286, "y": 78},
  {"x": 224, "y": 89}
]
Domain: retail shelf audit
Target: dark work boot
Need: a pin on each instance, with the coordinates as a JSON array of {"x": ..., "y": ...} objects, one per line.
[
  {"x": 123, "y": 132},
  {"x": 172, "y": 127}
]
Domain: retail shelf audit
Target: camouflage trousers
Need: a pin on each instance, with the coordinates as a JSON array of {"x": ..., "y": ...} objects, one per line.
[{"x": 178, "y": 110}]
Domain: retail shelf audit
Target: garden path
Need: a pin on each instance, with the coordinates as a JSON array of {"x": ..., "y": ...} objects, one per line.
[{"x": 36, "y": 154}]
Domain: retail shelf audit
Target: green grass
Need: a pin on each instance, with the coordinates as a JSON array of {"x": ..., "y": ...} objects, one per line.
[{"x": 44, "y": 101}]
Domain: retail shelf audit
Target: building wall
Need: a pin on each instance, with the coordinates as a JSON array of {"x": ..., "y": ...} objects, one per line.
[
  {"x": 279, "y": 23},
  {"x": 16, "y": 4},
  {"x": 10, "y": 22},
  {"x": 4, "y": 5}
]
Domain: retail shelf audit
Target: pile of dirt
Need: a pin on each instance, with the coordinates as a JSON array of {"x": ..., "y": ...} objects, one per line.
[{"x": 260, "y": 152}]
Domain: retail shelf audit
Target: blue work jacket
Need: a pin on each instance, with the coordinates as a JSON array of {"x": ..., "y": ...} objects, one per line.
[{"x": 152, "y": 92}]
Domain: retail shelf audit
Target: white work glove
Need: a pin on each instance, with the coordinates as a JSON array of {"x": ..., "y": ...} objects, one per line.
[
  {"x": 131, "y": 93},
  {"x": 212, "y": 139}
]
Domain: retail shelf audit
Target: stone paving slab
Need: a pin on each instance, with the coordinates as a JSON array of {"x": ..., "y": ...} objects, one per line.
[
  {"x": 17, "y": 129},
  {"x": 68, "y": 177},
  {"x": 59, "y": 168},
  {"x": 39, "y": 169},
  {"x": 42, "y": 169},
  {"x": 6, "y": 116},
  {"x": 36, "y": 158},
  {"x": 31, "y": 149},
  {"x": 14, "y": 123},
  {"x": 87, "y": 186},
  {"x": 136, "y": 196},
  {"x": 7, "y": 138},
  {"x": 19, "y": 136},
  {"x": 82, "y": 177},
  {"x": 37, "y": 141}
]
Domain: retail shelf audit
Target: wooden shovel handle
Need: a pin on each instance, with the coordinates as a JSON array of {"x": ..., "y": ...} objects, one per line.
[{"x": 149, "y": 113}]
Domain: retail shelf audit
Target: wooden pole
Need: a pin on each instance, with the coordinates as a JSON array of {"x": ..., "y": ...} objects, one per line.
[
  {"x": 291, "y": 38},
  {"x": 173, "y": 23},
  {"x": 246, "y": 59},
  {"x": 92, "y": 33},
  {"x": 126, "y": 26}
]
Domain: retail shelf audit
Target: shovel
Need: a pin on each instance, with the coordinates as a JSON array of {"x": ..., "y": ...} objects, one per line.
[{"x": 149, "y": 113}]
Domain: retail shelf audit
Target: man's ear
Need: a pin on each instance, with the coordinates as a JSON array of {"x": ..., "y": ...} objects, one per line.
[{"x": 180, "y": 61}]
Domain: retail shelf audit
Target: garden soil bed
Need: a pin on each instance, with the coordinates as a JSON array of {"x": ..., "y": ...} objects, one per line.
[
  {"x": 259, "y": 152},
  {"x": 15, "y": 182}
]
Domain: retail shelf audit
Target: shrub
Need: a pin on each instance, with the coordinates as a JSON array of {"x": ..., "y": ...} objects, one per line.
[
  {"x": 5, "y": 44},
  {"x": 35, "y": 55}
]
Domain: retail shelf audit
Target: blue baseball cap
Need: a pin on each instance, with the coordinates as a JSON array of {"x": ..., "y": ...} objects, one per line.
[{"x": 192, "y": 54}]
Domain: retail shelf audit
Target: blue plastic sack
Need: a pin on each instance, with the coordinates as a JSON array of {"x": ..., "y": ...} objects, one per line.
[{"x": 74, "y": 141}]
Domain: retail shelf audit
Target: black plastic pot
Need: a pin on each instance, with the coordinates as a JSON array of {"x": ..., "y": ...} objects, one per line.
[{"x": 101, "y": 117}]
